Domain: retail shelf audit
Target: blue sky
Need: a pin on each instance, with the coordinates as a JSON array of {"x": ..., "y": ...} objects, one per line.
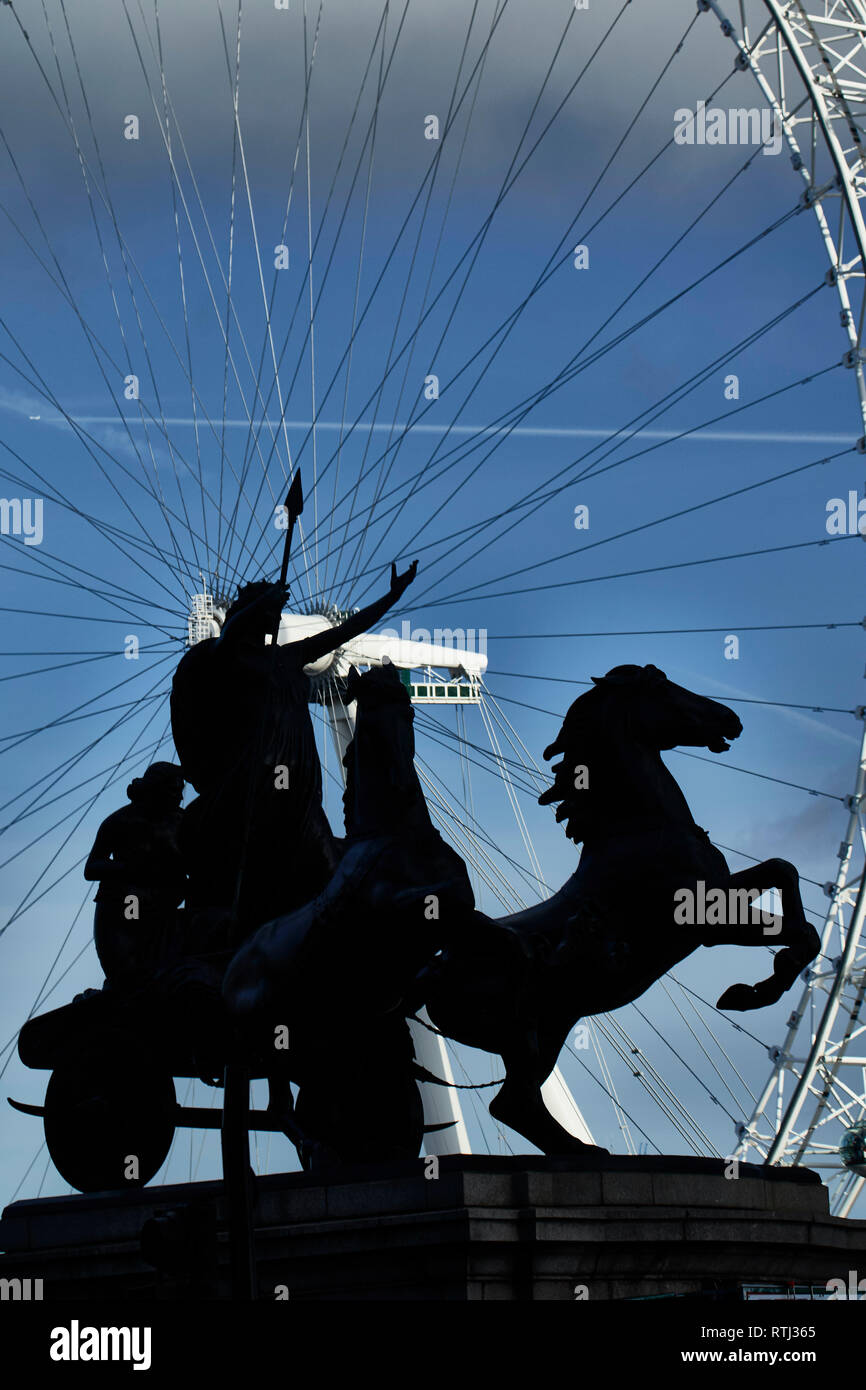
[{"x": 115, "y": 472}]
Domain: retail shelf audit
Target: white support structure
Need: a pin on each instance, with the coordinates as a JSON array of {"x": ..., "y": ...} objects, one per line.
[
  {"x": 564, "y": 1108},
  {"x": 441, "y": 1103}
]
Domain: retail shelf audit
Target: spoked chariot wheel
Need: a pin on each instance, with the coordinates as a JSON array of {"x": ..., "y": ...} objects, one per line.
[
  {"x": 109, "y": 1119},
  {"x": 499, "y": 292},
  {"x": 109, "y": 1110}
]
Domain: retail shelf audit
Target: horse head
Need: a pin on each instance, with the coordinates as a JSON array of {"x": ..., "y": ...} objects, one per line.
[{"x": 632, "y": 711}]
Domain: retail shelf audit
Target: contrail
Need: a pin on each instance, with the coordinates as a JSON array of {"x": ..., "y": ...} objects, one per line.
[{"x": 479, "y": 431}]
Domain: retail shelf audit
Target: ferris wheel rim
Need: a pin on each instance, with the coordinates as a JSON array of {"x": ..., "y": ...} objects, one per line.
[{"x": 816, "y": 78}]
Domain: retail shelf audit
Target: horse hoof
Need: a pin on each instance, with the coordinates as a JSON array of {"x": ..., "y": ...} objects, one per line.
[
  {"x": 316, "y": 1157},
  {"x": 738, "y": 998}
]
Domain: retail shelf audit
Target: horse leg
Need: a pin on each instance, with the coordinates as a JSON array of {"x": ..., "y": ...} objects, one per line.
[
  {"x": 519, "y": 1102},
  {"x": 795, "y": 934},
  {"x": 314, "y": 1155},
  {"x": 281, "y": 1107}
]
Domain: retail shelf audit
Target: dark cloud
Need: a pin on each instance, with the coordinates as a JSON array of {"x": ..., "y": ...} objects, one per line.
[
  {"x": 811, "y": 836},
  {"x": 425, "y": 64}
]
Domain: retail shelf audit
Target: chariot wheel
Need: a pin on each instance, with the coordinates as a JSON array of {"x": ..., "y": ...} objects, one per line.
[{"x": 109, "y": 1119}]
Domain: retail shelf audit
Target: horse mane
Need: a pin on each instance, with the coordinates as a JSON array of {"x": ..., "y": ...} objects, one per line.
[{"x": 593, "y": 729}]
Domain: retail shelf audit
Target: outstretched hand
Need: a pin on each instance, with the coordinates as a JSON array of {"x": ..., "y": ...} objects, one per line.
[{"x": 400, "y": 582}]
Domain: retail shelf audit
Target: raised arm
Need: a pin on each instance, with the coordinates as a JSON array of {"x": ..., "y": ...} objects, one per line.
[{"x": 312, "y": 648}]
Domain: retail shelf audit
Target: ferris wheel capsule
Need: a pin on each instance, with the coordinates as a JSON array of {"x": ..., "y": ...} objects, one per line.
[{"x": 852, "y": 1149}]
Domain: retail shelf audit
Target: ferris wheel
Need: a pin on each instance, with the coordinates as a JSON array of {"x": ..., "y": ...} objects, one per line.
[{"x": 247, "y": 241}]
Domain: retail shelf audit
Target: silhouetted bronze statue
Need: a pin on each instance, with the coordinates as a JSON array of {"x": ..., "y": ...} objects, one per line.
[
  {"x": 519, "y": 986},
  {"x": 257, "y": 840},
  {"x": 137, "y": 862},
  {"x": 393, "y": 926}
]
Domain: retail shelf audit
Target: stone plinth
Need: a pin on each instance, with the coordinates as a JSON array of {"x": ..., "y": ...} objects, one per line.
[{"x": 485, "y": 1228}]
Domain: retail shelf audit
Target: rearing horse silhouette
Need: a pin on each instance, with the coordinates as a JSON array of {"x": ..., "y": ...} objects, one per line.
[
  {"x": 611, "y": 931},
  {"x": 372, "y": 942}
]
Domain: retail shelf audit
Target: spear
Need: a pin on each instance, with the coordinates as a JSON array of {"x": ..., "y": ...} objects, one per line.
[{"x": 294, "y": 506}]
